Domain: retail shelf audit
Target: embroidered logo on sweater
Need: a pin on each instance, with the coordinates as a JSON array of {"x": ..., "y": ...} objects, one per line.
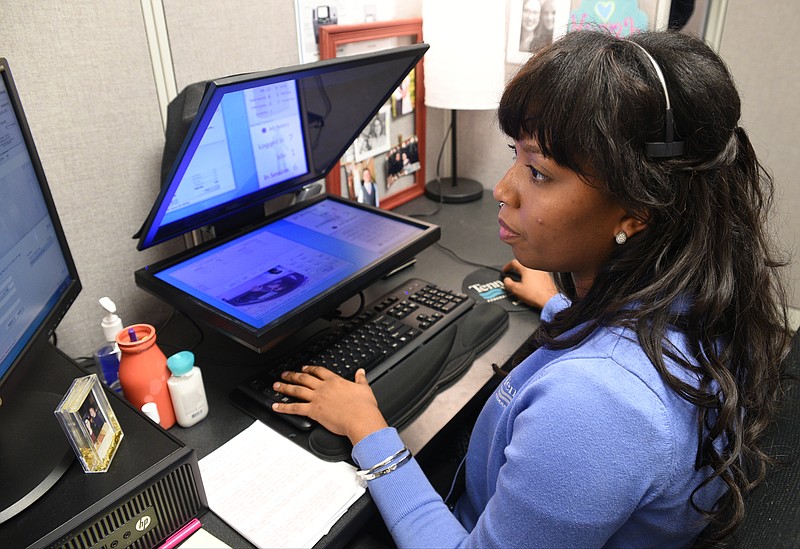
[{"x": 504, "y": 393}]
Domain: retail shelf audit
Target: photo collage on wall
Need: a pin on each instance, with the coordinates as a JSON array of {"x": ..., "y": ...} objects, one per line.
[{"x": 383, "y": 159}]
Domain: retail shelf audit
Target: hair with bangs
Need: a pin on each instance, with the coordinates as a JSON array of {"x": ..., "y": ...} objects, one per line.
[{"x": 591, "y": 101}]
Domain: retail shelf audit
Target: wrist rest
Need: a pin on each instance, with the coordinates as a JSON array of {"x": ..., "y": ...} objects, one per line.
[{"x": 408, "y": 387}]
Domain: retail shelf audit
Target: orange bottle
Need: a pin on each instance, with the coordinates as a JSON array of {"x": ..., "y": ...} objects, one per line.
[{"x": 143, "y": 371}]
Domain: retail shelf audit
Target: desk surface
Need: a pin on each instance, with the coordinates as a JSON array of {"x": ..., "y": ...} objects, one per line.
[{"x": 470, "y": 231}]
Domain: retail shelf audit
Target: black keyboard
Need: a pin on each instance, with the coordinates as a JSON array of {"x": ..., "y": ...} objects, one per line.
[{"x": 388, "y": 330}]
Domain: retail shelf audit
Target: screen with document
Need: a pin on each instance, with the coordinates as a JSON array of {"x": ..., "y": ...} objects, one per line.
[{"x": 296, "y": 266}]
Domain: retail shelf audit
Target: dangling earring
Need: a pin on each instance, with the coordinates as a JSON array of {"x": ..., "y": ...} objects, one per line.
[{"x": 621, "y": 237}]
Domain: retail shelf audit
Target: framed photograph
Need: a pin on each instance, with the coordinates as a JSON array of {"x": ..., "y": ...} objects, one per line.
[
  {"x": 404, "y": 97},
  {"x": 402, "y": 160},
  {"x": 374, "y": 140},
  {"x": 366, "y": 165},
  {"x": 533, "y": 24},
  {"x": 360, "y": 182},
  {"x": 89, "y": 423}
]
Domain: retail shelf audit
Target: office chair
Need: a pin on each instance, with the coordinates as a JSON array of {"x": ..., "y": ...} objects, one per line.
[{"x": 772, "y": 510}]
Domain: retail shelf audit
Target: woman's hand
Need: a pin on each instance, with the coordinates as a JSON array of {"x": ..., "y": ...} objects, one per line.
[
  {"x": 343, "y": 407},
  {"x": 535, "y": 288}
]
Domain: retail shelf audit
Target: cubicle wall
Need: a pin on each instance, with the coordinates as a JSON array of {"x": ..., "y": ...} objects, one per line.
[
  {"x": 760, "y": 41},
  {"x": 91, "y": 93},
  {"x": 83, "y": 72}
]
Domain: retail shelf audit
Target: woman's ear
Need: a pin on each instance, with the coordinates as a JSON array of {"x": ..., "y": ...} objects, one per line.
[{"x": 631, "y": 225}]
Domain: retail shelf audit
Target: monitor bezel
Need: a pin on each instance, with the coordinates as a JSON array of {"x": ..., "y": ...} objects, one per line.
[
  {"x": 153, "y": 233},
  {"x": 261, "y": 339}
]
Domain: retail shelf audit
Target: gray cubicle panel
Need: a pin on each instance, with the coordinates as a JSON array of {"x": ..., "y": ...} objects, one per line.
[
  {"x": 761, "y": 43},
  {"x": 84, "y": 75},
  {"x": 209, "y": 39}
]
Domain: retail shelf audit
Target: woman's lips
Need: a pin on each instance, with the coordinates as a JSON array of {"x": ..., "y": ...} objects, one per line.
[{"x": 506, "y": 233}]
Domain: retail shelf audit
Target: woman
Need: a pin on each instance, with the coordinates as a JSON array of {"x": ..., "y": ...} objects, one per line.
[
  {"x": 531, "y": 15},
  {"x": 547, "y": 23},
  {"x": 636, "y": 421}
]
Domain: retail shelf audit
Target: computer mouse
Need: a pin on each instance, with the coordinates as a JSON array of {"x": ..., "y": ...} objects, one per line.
[{"x": 513, "y": 275}]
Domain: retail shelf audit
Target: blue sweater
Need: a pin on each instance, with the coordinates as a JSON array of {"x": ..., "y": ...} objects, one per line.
[{"x": 584, "y": 447}]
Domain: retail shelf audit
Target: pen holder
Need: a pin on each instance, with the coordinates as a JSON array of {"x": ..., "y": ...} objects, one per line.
[{"x": 143, "y": 371}]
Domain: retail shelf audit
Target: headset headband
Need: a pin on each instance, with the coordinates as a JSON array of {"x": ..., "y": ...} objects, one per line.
[{"x": 669, "y": 147}]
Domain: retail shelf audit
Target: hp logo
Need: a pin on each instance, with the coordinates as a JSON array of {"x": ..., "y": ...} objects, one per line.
[{"x": 143, "y": 523}]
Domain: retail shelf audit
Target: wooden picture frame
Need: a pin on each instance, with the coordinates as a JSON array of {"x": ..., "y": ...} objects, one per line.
[{"x": 374, "y": 37}]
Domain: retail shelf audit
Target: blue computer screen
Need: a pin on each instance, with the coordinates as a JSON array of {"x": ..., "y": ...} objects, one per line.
[
  {"x": 33, "y": 271},
  {"x": 249, "y": 139},
  {"x": 269, "y": 272}
]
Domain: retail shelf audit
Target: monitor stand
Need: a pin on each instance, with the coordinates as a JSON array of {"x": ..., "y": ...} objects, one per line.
[{"x": 34, "y": 452}]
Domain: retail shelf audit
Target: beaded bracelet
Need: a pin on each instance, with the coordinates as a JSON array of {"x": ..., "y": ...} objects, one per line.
[{"x": 392, "y": 463}]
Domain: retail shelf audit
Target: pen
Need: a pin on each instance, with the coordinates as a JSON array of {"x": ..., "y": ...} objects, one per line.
[
  {"x": 404, "y": 266},
  {"x": 132, "y": 334},
  {"x": 182, "y": 534}
]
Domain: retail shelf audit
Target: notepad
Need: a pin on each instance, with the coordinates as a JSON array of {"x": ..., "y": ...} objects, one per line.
[{"x": 275, "y": 493}]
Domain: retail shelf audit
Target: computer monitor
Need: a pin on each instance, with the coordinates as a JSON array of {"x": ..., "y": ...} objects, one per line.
[
  {"x": 297, "y": 265},
  {"x": 38, "y": 283},
  {"x": 258, "y": 136}
]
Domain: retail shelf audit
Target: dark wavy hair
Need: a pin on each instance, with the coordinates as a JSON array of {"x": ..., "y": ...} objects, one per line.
[{"x": 591, "y": 101}]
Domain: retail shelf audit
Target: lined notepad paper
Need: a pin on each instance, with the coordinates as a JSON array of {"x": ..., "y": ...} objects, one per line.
[{"x": 275, "y": 493}]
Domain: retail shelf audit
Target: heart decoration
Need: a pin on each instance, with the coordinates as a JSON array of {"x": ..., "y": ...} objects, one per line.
[{"x": 605, "y": 10}]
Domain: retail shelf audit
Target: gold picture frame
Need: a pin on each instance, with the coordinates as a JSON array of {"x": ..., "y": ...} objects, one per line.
[{"x": 90, "y": 424}]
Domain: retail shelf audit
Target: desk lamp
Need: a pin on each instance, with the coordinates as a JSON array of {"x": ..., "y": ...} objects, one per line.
[{"x": 464, "y": 70}]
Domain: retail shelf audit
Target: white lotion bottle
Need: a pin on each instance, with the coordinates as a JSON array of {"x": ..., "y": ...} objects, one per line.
[
  {"x": 107, "y": 355},
  {"x": 186, "y": 389}
]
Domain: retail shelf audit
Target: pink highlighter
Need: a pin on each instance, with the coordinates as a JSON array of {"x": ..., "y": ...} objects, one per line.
[{"x": 182, "y": 534}]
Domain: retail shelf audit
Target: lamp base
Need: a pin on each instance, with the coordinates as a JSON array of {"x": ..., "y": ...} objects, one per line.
[{"x": 464, "y": 190}]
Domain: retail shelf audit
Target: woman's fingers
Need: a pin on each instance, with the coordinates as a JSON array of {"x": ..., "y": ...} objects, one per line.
[
  {"x": 319, "y": 371},
  {"x": 309, "y": 376},
  {"x": 301, "y": 385},
  {"x": 292, "y": 408}
]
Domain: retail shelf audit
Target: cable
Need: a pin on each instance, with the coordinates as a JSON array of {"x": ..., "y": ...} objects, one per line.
[
  {"x": 169, "y": 319},
  {"x": 465, "y": 261},
  {"x": 363, "y": 301},
  {"x": 200, "y": 331}
]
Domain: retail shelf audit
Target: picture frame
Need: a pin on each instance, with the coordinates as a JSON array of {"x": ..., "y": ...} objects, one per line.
[
  {"x": 90, "y": 424},
  {"x": 376, "y": 138},
  {"x": 405, "y": 119},
  {"x": 533, "y": 24}
]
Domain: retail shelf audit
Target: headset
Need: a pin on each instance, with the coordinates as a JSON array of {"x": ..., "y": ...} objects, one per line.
[{"x": 669, "y": 147}]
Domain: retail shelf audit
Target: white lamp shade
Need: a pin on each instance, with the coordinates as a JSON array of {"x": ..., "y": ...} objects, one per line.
[{"x": 465, "y": 65}]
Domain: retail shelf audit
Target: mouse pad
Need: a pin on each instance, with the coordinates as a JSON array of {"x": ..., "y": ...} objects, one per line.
[{"x": 484, "y": 285}]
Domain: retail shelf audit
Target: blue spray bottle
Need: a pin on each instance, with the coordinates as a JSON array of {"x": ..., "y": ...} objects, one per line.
[{"x": 107, "y": 355}]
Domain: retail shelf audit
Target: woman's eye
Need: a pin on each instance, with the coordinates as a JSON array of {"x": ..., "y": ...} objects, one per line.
[{"x": 539, "y": 176}]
